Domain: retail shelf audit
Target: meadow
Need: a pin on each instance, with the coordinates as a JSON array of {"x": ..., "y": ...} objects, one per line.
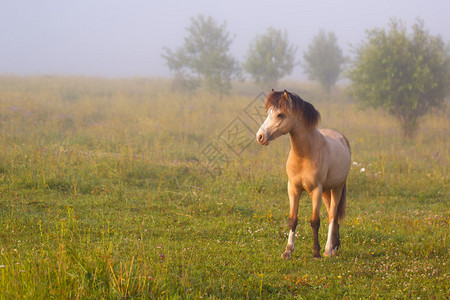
[{"x": 104, "y": 194}]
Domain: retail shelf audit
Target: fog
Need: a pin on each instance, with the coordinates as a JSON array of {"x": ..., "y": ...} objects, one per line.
[{"x": 112, "y": 38}]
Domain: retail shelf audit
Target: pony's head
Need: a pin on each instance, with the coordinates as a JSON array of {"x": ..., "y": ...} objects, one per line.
[{"x": 285, "y": 111}]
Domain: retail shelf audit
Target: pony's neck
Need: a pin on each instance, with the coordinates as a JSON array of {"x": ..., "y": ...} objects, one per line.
[{"x": 303, "y": 140}]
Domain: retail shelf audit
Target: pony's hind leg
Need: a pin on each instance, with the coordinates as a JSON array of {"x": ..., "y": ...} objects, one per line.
[
  {"x": 333, "y": 225},
  {"x": 326, "y": 196},
  {"x": 316, "y": 196},
  {"x": 294, "y": 196},
  {"x": 333, "y": 231},
  {"x": 333, "y": 238}
]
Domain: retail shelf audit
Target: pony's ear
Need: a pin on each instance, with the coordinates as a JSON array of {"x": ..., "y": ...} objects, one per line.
[
  {"x": 273, "y": 91},
  {"x": 286, "y": 95}
]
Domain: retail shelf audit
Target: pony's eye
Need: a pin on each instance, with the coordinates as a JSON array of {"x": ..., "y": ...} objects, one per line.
[{"x": 280, "y": 116}]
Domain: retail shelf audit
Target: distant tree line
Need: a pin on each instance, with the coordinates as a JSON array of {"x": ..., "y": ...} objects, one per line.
[
  {"x": 205, "y": 58},
  {"x": 406, "y": 74}
]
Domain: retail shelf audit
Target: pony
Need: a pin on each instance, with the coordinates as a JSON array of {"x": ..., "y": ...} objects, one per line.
[{"x": 318, "y": 163}]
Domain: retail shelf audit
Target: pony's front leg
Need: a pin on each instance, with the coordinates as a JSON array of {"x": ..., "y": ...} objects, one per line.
[{"x": 294, "y": 196}]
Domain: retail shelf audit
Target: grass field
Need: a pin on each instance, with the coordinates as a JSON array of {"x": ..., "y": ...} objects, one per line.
[{"x": 103, "y": 195}]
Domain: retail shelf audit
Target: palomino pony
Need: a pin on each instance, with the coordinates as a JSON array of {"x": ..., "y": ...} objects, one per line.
[{"x": 318, "y": 163}]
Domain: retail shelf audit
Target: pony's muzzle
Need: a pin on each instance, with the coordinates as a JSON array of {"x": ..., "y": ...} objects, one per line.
[{"x": 262, "y": 138}]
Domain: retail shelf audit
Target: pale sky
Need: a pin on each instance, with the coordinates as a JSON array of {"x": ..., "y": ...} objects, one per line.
[{"x": 125, "y": 38}]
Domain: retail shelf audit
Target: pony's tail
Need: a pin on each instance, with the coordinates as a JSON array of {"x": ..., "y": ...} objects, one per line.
[{"x": 342, "y": 204}]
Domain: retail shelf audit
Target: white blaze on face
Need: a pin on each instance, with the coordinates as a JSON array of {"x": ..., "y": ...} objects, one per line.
[
  {"x": 262, "y": 136},
  {"x": 267, "y": 121}
]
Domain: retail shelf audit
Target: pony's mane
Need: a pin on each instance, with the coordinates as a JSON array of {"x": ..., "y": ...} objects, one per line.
[{"x": 310, "y": 115}]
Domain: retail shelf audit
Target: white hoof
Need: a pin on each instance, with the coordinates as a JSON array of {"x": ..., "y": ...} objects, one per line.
[
  {"x": 330, "y": 253},
  {"x": 334, "y": 251},
  {"x": 287, "y": 255}
]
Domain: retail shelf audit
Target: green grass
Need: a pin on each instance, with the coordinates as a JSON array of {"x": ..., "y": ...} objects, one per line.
[{"x": 102, "y": 196}]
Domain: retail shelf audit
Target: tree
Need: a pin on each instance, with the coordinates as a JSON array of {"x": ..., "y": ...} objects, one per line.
[
  {"x": 204, "y": 56},
  {"x": 270, "y": 57},
  {"x": 404, "y": 73},
  {"x": 324, "y": 59}
]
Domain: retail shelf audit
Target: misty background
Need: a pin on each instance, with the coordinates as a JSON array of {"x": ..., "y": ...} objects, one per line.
[{"x": 125, "y": 39}]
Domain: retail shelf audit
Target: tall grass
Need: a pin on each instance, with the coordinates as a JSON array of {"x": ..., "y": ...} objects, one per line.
[{"x": 103, "y": 195}]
